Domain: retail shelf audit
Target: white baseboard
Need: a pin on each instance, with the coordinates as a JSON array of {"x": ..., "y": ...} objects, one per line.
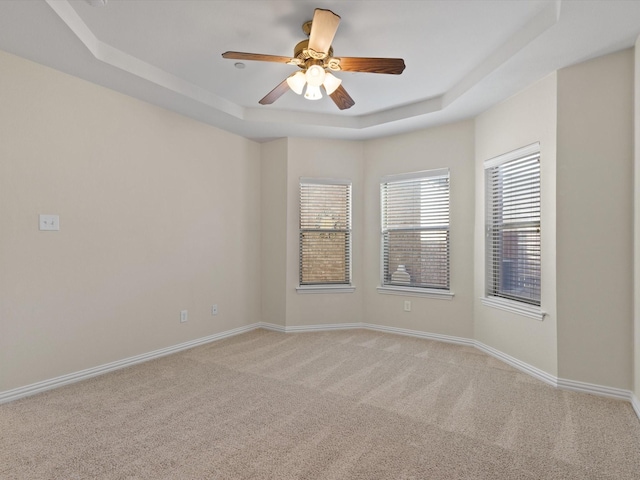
[
  {"x": 16, "y": 393},
  {"x": 272, "y": 326},
  {"x": 635, "y": 403},
  {"x": 309, "y": 328},
  {"x": 367, "y": 326},
  {"x": 518, "y": 364},
  {"x": 418, "y": 334},
  {"x": 600, "y": 390}
]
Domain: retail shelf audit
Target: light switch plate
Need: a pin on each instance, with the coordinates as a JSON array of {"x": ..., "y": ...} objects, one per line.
[{"x": 50, "y": 222}]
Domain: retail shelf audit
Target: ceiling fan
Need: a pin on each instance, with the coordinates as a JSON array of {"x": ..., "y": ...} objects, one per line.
[{"x": 315, "y": 58}]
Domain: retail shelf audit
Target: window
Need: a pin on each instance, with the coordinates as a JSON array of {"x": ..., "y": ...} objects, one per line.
[
  {"x": 325, "y": 232},
  {"x": 512, "y": 217},
  {"x": 415, "y": 231}
]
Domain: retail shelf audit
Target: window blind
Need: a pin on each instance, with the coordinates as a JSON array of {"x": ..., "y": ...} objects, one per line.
[
  {"x": 325, "y": 232},
  {"x": 513, "y": 227},
  {"x": 415, "y": 229}
]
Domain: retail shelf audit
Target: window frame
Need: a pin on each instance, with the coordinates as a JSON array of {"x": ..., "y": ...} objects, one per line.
[
  {"x": 329, "y": 287},
  {"x": 386, "y": 287},
  {"x": 510, "y": 302}
]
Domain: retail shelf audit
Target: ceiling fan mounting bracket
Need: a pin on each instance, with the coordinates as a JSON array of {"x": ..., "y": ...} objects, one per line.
[{"x": 306, "y": 27}]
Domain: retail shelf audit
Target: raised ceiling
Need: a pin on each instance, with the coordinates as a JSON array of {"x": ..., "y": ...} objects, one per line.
[{"x": 461, "y": 56}]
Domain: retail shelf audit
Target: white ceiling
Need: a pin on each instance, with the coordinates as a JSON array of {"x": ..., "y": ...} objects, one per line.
[{"x": 461, "y": 56}]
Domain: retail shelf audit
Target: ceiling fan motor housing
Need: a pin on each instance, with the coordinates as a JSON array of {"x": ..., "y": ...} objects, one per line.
[{"x": 308, "y": 57}]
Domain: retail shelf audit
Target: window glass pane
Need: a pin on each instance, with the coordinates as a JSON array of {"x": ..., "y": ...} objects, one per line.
[
  {"x": 325, "y": 233},
  {"x": 324, "y": 257},
  {"x": 415, "y": 231},
  {"x": 513, "y": 230}
]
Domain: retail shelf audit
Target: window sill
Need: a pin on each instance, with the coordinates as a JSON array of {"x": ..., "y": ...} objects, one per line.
[
  {"x": 416, "y": 292},
  {"x": 325, "y": 289},
  {"x": 518, "y": 308}
]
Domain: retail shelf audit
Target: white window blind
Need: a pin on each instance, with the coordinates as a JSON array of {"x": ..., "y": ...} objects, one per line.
[
  {"x": 415, "y": 230},
  {"x": 325, "y": 232},
  {"x": 512, "y": 214}
]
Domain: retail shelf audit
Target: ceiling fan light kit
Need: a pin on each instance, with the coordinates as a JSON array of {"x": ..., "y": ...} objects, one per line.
[
  {"x": 315, "y": 58},
  {"x": 313, "y": 92},
  {"x": 315, "y": 75},
  {"x": 296, "y": 82},
  {"x": 331, "y": 83}
]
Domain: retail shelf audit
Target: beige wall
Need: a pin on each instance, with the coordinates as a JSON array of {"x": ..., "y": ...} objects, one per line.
[
  {"x": 595, "y": 220},
  {"x": 636, "y": 221},
  {"x": 273, "y": 231},
  {"x": 158, "y": 213},
  {"x": 525, "y": 118},
  {"x": 448, "y": 146},
  {"x": 328, "y": 159}
]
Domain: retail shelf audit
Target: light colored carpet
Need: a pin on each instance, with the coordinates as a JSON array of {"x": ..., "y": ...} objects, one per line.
[{"x": 350, "y": 404}]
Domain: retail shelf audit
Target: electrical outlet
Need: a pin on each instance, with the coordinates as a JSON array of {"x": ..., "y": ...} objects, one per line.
[
  {"x": 214, "y": 309},
  {"x": 184, "y": 316},
  {"x": 407, "y": 305}
]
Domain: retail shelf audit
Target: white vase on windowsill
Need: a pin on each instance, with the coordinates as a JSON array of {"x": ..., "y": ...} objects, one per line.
[{"x": 401, "y": 276}]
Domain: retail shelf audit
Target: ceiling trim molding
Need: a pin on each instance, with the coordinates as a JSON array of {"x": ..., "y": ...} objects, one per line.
[
  {"x": 539, "y": 24},
  {"x": 110, "y": 55},
  {"x": 133, "y": 65}
]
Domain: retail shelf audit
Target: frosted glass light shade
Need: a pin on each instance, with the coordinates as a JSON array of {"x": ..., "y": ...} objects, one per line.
[
  {"x": 315, "y": 75},
  {"x": 296, "y": 82},
  {"x": 331, "y": 83},
  {"x": 313, "y": 92}
]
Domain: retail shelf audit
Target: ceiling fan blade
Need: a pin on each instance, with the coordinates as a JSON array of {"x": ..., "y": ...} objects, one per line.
[
  {"x": 323, "y": 28},
  {"x": 342, "y": 99},
  {"x": 256, "y": 56},
  {"x": 275, "y": 94},
  {"x": 393, "y": 66}
]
